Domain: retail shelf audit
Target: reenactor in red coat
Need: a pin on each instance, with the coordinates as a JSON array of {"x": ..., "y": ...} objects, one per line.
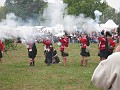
[
  {"x": 47, "y": 43},
  {"x": 48, "y": 51},
  {"x": 102, "y": 46},
  {"x": 111, "y": 43},
  {"x": 64, "y": 47},
  {"x": 1, "y": 50},
  {"x": 84, "y": 43}
]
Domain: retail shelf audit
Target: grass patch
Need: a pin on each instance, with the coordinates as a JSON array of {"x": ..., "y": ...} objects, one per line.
[{"x": 16, "y": 74}]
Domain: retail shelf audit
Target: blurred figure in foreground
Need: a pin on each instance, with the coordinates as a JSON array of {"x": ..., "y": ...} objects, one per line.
[{"x": 107, "y": 74}]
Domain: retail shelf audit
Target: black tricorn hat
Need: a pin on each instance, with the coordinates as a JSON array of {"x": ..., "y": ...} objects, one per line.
[
  {"x": 108, "y": 33},
  {"x": 102, "y": 32}
]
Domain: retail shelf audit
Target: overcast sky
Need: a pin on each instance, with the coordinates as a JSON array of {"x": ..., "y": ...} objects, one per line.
[
  {"x": 114, "y": 3},
  {"x": 2, "y": 2}
]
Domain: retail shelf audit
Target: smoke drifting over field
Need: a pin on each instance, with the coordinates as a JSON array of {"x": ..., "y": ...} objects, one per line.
[
  {"x": 56, "y": 18},
  {"x": 56, "y": 14}
]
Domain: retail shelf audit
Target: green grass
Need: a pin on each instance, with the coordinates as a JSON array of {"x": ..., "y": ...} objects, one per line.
[{"x": 16, "y": 74}]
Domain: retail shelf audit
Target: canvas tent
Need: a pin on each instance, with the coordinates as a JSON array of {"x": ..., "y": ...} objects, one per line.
[{"x": 110, "y": 24}]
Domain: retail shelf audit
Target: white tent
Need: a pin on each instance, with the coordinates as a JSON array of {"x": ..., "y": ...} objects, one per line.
[{"x": 109, "y": 25}]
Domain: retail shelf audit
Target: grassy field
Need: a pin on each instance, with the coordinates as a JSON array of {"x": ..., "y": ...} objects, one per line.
[{"x": 16, "y": 74}]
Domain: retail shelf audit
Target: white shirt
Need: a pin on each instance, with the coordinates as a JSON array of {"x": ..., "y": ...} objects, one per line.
[{"x": 107, "y": 74}]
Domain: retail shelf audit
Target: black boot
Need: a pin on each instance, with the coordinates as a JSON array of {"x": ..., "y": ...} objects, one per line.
[
  {"x": 30, "y": 63},
  {"x": 33, "y": 63}
]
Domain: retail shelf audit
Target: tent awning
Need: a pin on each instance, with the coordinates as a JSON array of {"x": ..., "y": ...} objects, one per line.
[{"x": 109, "y": 24}]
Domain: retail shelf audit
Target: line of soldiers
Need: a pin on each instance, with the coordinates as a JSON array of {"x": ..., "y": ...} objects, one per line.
[{"x": 106, "y": 47}]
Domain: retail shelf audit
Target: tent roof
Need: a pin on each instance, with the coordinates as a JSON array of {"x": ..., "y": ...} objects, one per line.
[{"x": 109, "y": 24}]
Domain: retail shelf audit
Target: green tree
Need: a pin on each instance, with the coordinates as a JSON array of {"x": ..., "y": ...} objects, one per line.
[
  {"x": 110, "y": 13},
  {"x": 87, "y": 7},
  {"x": 25, "y": 8},
  {"x": 3, "y": 12},
  {"x": 118, "y": 18}
]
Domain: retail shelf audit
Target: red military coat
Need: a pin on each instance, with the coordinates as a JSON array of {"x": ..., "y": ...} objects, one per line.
[
  {"x": 111, "y": 45},
  {"x": 47, "y": 43},
  {"x": 64, "y": 43},
  {"x": 1, "y": 46},
  {"x": 83, "y": 41},
  {"x": 102, "y": 43}
]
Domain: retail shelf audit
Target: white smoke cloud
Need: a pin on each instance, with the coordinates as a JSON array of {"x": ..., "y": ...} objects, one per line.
[
  {"x": 57, "y": 20},
  {"x": 55, "y": 14},
  {"x": 97, "y": 15},
  {"x": 13, "y": 27},
  {"x": 10, "y": 20}
]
